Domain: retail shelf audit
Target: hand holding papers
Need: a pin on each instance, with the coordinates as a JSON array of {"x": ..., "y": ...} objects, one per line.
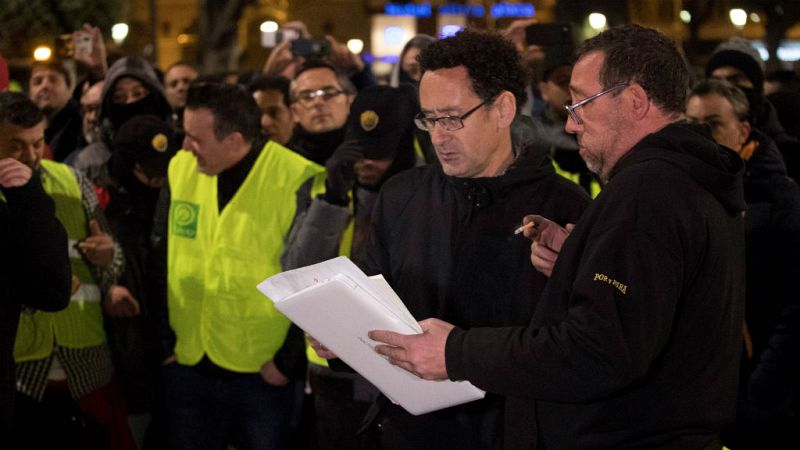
[{"x": 338, "y": 304}]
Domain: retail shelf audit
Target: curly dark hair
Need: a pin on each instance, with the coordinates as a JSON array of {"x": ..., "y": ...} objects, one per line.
[
  {"x": 492, "y": 62},
  {"x": 645, "y": 56},
  {"x": 232, "y": 106}
]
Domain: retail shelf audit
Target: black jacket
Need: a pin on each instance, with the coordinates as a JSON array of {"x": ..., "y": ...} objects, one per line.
[
  {"x": 768, "y": 408},
  {"x": 446, "y": 246},
  {"x": 34, "y": 271},
  {"x": 64, "y": 131},
  {"x": 635, "y": 341}
]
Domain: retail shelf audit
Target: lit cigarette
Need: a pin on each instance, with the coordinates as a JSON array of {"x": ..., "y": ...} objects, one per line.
[{"x": 530, "y": 224}]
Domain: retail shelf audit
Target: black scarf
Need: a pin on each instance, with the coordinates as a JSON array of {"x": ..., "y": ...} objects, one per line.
[{"x": 317, "y": 147}]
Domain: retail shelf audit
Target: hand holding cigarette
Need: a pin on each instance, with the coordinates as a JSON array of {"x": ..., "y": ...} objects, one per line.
[{"x": 547, "y": 237}]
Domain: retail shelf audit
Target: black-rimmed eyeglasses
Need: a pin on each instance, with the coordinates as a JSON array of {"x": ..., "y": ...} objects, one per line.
[
  {"x": 449, "y": 123},
  {"x": 571, "y": 108}
]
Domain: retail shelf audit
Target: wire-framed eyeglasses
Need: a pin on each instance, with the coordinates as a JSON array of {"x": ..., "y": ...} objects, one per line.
[
  {"x": 306, "y": 98},
  {"x": 449, "y": 123},
  {"x": 571, "y": 108}
]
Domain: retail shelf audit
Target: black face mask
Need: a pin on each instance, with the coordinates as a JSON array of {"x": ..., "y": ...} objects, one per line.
[{"x": 119, "y": 114}]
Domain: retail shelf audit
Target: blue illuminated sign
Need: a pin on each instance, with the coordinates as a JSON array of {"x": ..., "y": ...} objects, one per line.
[
  {"x": 411, "y": 9},
  {"x": 512, "y": 10},
  {"x": 498, "y": 10},
  {"x": 462, "y": 10}
]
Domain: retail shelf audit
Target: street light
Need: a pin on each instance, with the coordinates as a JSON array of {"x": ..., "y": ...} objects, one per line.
[
  {"x": 42, "y": 53},
  {"x": 755, "y": 18},
  {"x": 119, "y": 32},
  {"x": 738, "y": 17},
  {"x": 355, "y": 45},
  {"x": 597, "y": 21},
  {"x": 269, "y": 26},
  {"x": 686, "y": 16}
]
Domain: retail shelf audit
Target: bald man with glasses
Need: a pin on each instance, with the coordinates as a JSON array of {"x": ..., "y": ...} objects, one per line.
[{"x": 442, "y": 235}]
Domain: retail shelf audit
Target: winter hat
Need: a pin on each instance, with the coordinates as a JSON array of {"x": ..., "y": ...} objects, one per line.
[
  {"x": 382, "y": 118},
  {"x": 739, "y": 53},
  {"x": 147, "y": 141}
]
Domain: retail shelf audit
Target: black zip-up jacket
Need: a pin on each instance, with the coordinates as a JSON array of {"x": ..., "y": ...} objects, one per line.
[
  {"x": 635, "y": 342},
  {"x": 446, "y": 245}
]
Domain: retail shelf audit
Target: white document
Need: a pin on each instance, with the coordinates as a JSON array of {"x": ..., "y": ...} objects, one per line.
[{"x": 335, "y": 302}]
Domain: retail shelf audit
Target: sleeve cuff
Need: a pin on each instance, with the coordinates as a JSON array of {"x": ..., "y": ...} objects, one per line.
[{"x": 454, "y": 363}]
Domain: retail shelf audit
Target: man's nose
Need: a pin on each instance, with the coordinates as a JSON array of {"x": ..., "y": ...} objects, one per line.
[
  {"x": 571, "y": 126},
  {"x": 317, "y": 101},
  {"x": 438, "y": 134},
  {"x": 28, "y": 154}
]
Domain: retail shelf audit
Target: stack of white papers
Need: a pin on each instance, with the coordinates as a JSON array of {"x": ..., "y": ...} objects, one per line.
[{"x": 335, "y": 302}]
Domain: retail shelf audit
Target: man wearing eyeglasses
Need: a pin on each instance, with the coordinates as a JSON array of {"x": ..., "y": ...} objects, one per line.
[
  {"x": 321, "y": 100},
  {"x": 442, "y": 234},
  {"x": 635, "y": 341}
]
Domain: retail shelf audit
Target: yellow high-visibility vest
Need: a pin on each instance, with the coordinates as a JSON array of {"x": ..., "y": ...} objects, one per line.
[
  {"x": 216, "y": 259},
  {"x": 80, "y": 325}
]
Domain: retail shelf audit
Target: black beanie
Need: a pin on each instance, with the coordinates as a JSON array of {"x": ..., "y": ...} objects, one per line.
[{"x": 739, "y": 60}]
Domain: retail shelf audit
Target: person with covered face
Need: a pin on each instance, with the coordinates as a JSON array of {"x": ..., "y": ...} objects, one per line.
[
  {"x": 737, "y": 62},
  {"x": 131, "y": 89},
  {"x": 143, "y": 148}
]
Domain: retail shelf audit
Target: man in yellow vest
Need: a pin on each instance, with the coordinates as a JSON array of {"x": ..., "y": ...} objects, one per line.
[
  {"x": 34, "y": 267},
  {"x": 63, "y": 364},
  {"x": 232, "y": 199}
]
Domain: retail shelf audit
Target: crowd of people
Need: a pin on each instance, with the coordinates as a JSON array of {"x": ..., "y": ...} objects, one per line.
[{"x": 649, "y": 303}]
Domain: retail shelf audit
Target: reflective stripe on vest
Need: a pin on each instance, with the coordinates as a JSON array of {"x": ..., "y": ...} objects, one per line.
[
  {"x": 80, "y": 325},
  {"x": 216, "y": 259},
  {"x": 594, "y": 187}
]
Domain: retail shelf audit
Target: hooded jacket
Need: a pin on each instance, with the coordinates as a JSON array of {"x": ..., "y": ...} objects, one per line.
[
  {"x": 154, "y": 104},
  {"x": 446, "y": 245},
  {"x": 770, "y": 377},
  {"x": 635, "y": 341}
]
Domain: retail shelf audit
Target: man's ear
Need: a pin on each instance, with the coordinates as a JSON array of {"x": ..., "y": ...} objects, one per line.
[
  {"x": 295, "y": 108},
  {"x": 744, "y": 131},
  {"x": 506, "y": 106},
  {"x": 234, "y": 140},
  {"x": 640, "y": 102}
]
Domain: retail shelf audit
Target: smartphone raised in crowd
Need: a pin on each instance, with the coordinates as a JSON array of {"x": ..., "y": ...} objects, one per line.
[
  {"x": 315, "y": 47},
  {"x": 270, "y": 39},
  {"x": 73, "y": 44}
]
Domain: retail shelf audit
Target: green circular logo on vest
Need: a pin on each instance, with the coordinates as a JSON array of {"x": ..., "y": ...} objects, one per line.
[{"x": 185, "y": 215}]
